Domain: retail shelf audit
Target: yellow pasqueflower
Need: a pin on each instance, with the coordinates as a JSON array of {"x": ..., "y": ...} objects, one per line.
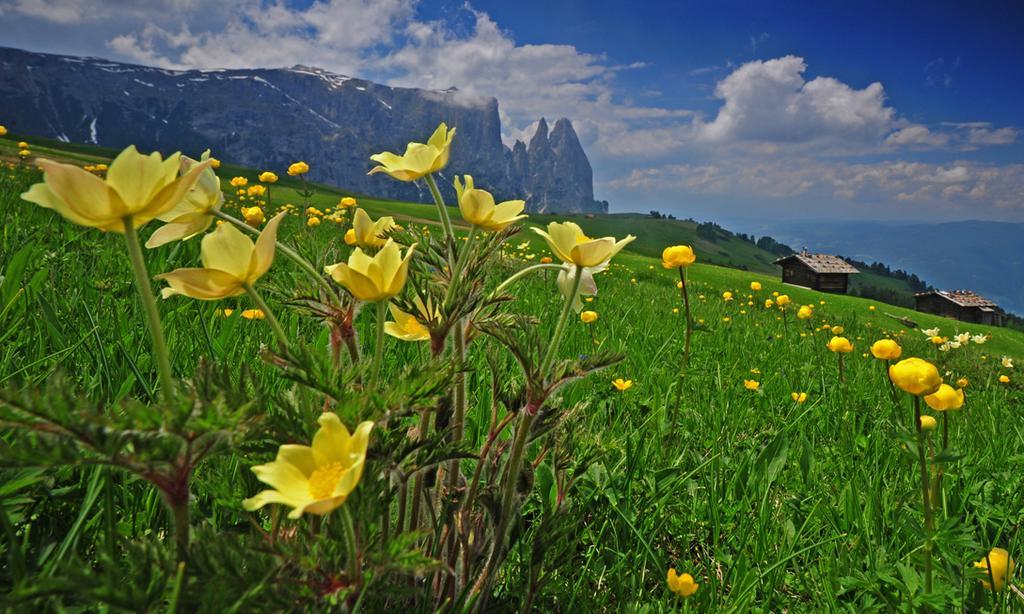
[
  {"x": 755, "y": 286},
  {"x": 239, "y": 182},
  {"x": 782, "y": 300},
  {"x": 367, "y": 233},
  {"x": 478, "y": 208},
  {"x": 886, "y": 349},
  {"x": 137, "y": 187},
  {"x": 373, "y": 279},
  {"x": 622, "y": 385},
  {"x": 928, "y": 423},
  {"x": 419, "y": 159},
  {"x": 588, "y": 317},
  {"x": 268, "y": 177},
  {"x": 406, "y": 326},
  {"x": 751, "y": 384},
  {"x": 682, "y": 585},
  {"x": 840, "y": 345},
  {"x": 315, "y": 479},
  {"x": 193, "y": 215},
  {"x": 998, "y": 566},
  {"x": 915, "y": 376},
  {"x": 298, "y": 168},
  {"x": 347, "y": 201},
  {"x": 676, "y": 256},
  {"x": 231, "y": 261},
  {"x": 805, "y": 312},
  {"x": 946, "y": 397},
  {"x": 570, "y": 245},
  {"x": 799, "y": 397}
]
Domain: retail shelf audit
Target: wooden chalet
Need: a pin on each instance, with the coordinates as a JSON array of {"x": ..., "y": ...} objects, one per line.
[
  {"x": 963, "y": 305},
  {"x": 822, "y": 272}
]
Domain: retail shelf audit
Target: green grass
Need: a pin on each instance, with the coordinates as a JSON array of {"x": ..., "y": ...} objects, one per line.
[{"x": 772, "y": 505}]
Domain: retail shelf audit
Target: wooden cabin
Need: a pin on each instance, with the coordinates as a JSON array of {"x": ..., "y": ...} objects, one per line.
[
  {"x": 822, "y": 272},
  {"x": 963, "y": 305}
]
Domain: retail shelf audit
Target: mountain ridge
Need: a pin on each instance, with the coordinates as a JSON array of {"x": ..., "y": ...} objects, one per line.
[{"x": 269, "y": 117}]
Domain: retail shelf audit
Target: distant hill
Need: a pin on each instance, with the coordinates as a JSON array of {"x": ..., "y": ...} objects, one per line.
[
  {"x": 987, "y": 257},
  {"x": 272, "y": 117}
]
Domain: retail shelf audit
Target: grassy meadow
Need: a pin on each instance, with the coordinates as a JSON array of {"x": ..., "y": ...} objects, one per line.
[{"x": 772, "y": 505}]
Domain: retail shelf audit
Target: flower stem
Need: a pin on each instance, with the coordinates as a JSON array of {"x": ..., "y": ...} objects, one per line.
[
  {"x": 460, "y": 263},
  {"x": 181, "y": 529},
  {"x": 556, "y": 338},
  {"x": 156, "y": 329},
  {"x": 351, "y": 544},
  {"x": 523, "y": 273},
  {"x": 378, "y": 348},
  {"x": 290, "y": 253},
  {"x": 686, "y": 347},
  {"x": 926, "y": 503},
  {"x": 442, "y": 212},
  {"x": 282, "y": 338}
]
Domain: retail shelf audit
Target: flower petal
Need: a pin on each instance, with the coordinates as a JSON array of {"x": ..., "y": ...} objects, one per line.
[{"x": 202, "y": 284}]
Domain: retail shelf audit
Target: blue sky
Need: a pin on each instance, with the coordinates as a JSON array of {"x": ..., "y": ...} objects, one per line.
[{"x": 716, "y": 110}]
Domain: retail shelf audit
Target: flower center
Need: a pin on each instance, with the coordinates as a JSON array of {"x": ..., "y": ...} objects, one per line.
[{"x": 324, "y": 479}]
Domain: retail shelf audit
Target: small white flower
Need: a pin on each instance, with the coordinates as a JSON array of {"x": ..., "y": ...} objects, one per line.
[
  {"x": 1007, "y": 362},
  {"x": 954, "y": 344},
  {"x": 979, "y": 339},
  {"x": 930, "y": 332},
  {"x": 963, "y": 337},
  {"x": 944, "y": 347}
]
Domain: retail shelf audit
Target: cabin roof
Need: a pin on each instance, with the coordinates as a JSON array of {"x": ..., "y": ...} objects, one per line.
[
  {"x": 963, "y": 298},
  {"x": 821, "y": 263}
]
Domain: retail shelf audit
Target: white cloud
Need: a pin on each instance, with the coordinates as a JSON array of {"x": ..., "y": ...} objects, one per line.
[{"x": 917, "y": 135}]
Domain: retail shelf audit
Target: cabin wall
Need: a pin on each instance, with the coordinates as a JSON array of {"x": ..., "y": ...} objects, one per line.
[
  {"x": 798, "y": 275},
  {"x": 937, "y": 305},
  {"x": 832, "y": 282}
]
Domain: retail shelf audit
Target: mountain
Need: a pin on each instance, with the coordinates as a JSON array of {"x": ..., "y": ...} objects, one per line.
[
  {"x": 987, "y": 257},
  {"x": 268, "y": 118}
]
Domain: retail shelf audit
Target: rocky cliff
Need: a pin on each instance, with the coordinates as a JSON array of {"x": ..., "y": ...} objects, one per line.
[{"x": 268, "y": 118}]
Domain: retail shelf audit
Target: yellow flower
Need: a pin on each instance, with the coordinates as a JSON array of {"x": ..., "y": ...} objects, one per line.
[
  {"x": 239, "y": 182},
  {"x": 571, "y": 246},
  {"x": 406, "y": 326},
  {"x": 193, "y": 215},
  {"x": 1002, "y": 567},
  {"x": 751, "y": 384},
  {"x": 253, "y": 215},
  {"x": 350, "y": 236},
  {"x": 768, "y": 303},
  {"x": 478, "y": 208},
  {"x": 799, "y": 397},
  {"x": 298, "y": 168},
  {"x": 22, "y": 145},
  {"x": 1007, "y": 362},
  {"x": 727, "y": 296},
  {"x": 837, "y": 330},
  {"x": 937, "y": 340},
  {"x": 622, "y": 385},
  {"x": 137, "y": 187},
  {"x": 374, "y": 279},
  {"x": 252, "y": 314},
  {"x": 24, "y": 153},
  {"x": 368, "y": 233},
  {"x": 683, "y": 585},
  {"x": 677, "y": 256},
  {"x": 962, "y": 382},
  {"x": 214, "y": 163},
  {"x": 840, "y": 344},
  {"x": 546, "y": 260},
  {"x": 419, "y": 159},
  {"x": 871, "y": 307},
  {"x": 256, "y": 190},
  {"x": 805, "y": 312},
  {"x": 946, "y": 397},
  {"x": 886, "y": 349},
  {"x": 3, "y": 130},
  {"x": 315, "y": 479},
  {"x": 755, "y": 286},
  {"x": 588, "y": 316},
  {"x": 928, "y": 423},
  {"x": 231, "y": 261},
  {"x": 1005, "y": 379},
  {"x": 347, "y": 201},
  {"x": 268, "y": 177},
  {"x": 782, "y": 300},
  {"x": 916, "y": 376},
  {"x": 313, "y": 221}
]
